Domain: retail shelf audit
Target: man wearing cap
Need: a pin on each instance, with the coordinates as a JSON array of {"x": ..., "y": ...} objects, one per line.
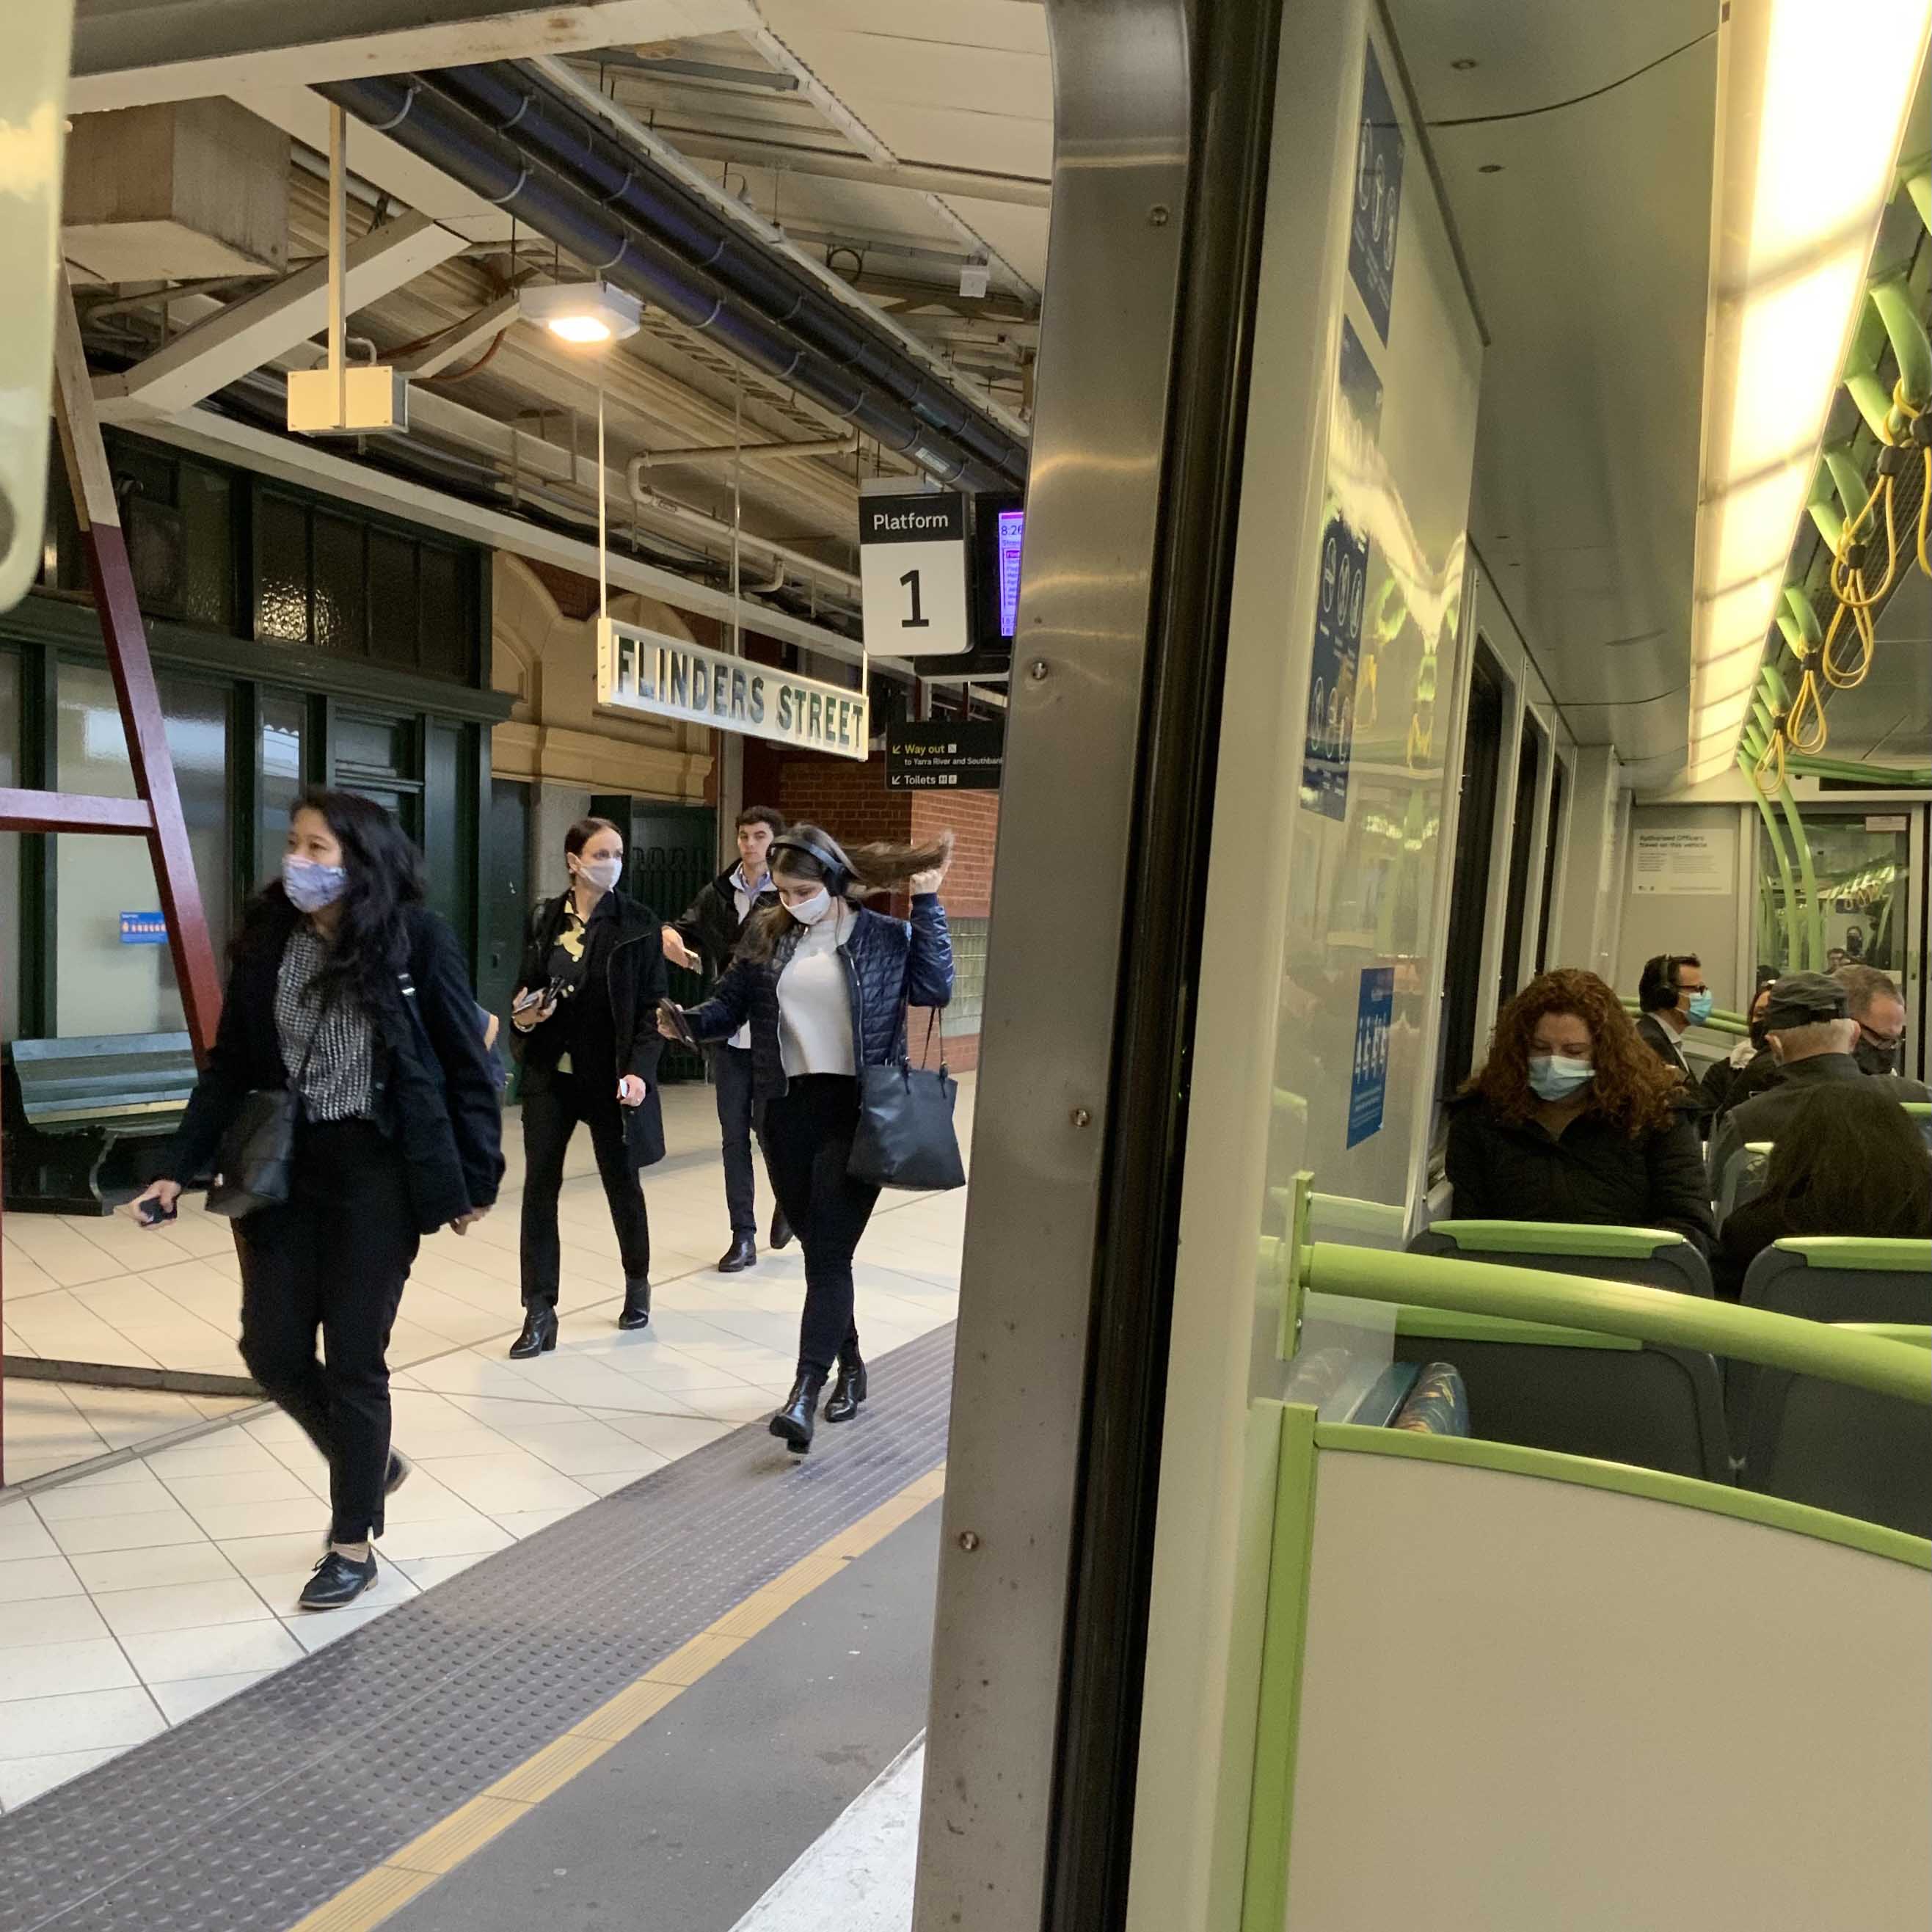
[{"x": 1813, "y": 1036}]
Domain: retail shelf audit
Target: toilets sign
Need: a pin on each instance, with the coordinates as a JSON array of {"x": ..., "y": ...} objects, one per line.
[{"x": 645, "y": 671}]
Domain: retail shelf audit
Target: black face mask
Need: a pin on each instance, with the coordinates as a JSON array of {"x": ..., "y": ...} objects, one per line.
[
  {"x": 1874, "y": 1059},
  {"x": 1759, "y": 1038}
]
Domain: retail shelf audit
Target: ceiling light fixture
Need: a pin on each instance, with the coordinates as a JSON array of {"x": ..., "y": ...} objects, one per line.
[
  {"x": 585, "y": 314},
  {"x": 1795, "y": 211}
]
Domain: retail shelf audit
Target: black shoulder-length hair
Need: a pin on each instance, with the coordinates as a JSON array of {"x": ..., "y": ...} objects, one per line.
[{"x": 385, "y": 878}]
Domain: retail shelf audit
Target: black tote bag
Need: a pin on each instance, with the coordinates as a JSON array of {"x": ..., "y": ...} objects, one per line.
[
  {"x": 905, "y": 1138},
  {"x": 252, "y": 1165}
]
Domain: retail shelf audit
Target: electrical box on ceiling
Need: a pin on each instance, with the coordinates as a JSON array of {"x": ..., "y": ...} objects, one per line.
[
  {"x": 176, "y": 192},
  {"x": 362, "y": 399}
]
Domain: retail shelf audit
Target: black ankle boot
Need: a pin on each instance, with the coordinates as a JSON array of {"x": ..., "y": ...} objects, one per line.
[
  {"x": 848, "y": 1390},
  {"x": 793, "y": 1424},
  {"x": 637, "y": 1310},
  {"x": 539, "y": 1335},
  {"x": 781, "y": 1230},
  {"x": 741, "y": 1255}
]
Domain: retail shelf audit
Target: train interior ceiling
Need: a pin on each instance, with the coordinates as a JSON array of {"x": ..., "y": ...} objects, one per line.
[{"x": 1476, "y": 475}]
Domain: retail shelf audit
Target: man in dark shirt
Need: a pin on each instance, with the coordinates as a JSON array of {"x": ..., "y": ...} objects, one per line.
[{"x": 1813, "y": 1036}]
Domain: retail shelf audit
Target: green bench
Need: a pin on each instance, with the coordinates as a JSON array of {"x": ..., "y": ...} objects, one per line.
[{"x": 71, "y": 1105}]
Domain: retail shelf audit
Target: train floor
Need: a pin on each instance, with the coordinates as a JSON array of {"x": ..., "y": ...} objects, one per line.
[{"x": 622, "y": 1640}]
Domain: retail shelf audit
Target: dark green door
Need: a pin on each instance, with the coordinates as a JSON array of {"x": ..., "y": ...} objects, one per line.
[
  {"x": 670, "y": 853},
  {"x": 505, "y": 894}
]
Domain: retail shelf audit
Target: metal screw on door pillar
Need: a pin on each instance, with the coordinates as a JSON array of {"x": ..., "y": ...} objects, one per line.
[
  {"x": 1081, "y": 1117},
  {"x": 969, "y": 1541},
  {"x": 1158, "y": 216},
  {"x": 1036, "y": 671}
]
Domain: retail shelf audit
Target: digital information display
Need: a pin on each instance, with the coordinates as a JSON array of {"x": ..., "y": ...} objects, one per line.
[{"x": 1012, "y": 529}]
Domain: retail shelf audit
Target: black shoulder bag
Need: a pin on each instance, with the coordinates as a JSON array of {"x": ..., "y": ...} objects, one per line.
[
  {"x": 905, "y": 1138},
  {"x": 253, "y": 1163}
]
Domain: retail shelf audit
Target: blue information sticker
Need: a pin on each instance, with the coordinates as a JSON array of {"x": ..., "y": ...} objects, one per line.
[
  {"x": 143, "y": 928},
  {"x": 1368, "y": 1084},
  {"x": 1378, "y": 202}
]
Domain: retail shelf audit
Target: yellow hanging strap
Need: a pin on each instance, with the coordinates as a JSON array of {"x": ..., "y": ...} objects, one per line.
[
  {"x": 1768, "y": 774},
  {"x": 1842, "y": 673},
  {"x": 1918, "y": 436},
  {"x": 1849, "y": 582}
]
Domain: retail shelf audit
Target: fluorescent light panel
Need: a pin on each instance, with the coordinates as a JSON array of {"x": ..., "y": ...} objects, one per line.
[{"x": 1814, "y": 99}]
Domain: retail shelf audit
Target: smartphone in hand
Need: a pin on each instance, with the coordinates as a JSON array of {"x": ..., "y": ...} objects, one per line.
[{"x": 672, "y": 1014}]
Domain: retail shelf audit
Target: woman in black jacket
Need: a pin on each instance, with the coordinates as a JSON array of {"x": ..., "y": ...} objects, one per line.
[
  {"x": 825, "y": 983},
  {"x": 346, "y": 987},
  {"x": 1574, "y": 1118},
  {"x": 1848, "y": 1160},
  {"x": 593, "y": 972}
]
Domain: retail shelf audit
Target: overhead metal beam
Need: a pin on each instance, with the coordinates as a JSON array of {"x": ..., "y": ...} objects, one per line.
[
  {"x": 291, "y": 460},
  {"x": 463, "y": 339},
  {"x": 245, "y": 335},
  {"x": 821, "y": 164},
  {"x": 129, "y": 52}
]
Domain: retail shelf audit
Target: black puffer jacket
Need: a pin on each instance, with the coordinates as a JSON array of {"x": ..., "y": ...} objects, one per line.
[
  {"x": 436, "y": 1096},
  {"x": 1595, "y": 1174},
  {"x": 888, "y": 964}
]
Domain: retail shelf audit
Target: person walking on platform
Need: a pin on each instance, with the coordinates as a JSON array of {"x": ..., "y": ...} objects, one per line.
[
  {"x": 593, "y": 972},
  {"x": 703, "y": 939},
  {"x": 1574, "y": 1118},
  {"x": 824, "y": 983},
  {"x": 347, "y": 992}
]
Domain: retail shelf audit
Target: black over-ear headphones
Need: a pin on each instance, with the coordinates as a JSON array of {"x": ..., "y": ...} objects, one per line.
[{"x": 837, "y": 868}]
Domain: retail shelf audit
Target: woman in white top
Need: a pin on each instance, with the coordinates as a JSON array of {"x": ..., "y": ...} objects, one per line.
[{"x": 824, "y": 983}]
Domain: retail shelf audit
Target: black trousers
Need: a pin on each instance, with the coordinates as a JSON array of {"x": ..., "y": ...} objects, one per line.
[
  {"x": 808, "y": 1137},
  {"x": 333, "y": 1257},
  {"x": 550, "y": 1117},
  {"x": 731, "y": 1074}
]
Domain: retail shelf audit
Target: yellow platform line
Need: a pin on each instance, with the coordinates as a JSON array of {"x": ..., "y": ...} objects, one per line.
[{"x": 404, "y": 1874}]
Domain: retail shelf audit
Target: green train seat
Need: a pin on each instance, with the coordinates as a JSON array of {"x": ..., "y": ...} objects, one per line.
[{"x": 1653, "y": 1257}]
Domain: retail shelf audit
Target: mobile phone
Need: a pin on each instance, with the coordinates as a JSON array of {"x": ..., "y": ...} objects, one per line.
[
  {"x": 670, "y": 1010},
  {"x": 153, "y": 1213},
  {"x": 524, "y": 1002}
]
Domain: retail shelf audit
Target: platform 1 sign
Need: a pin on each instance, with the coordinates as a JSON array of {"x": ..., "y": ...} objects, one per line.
[
  {"x": 947, "y": 756},
  {"x": 646, "y": 671},
  {"x": 912, "y": 573}
]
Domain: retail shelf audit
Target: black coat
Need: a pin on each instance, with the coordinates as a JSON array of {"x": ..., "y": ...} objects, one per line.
[
  {"x": 710, "y": 925},
  {"x": 888, "y": 964},
  {"x": 636, "y": 978},
  {"x": 1748, "y": 1230},
  {"x": 435, "y": 1094},
  {"x": 1595, "y": 1174},
  {"x": 1760, "y": 1117}
]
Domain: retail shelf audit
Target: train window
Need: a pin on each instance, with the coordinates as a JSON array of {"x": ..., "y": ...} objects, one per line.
[
  {"x": 1469, "y": 885},
  {"x": 1523, "y": 834},
  {"x": 1551, "y": 845}
]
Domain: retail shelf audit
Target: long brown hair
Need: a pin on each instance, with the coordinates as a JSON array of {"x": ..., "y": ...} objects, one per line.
[
  {"x": 1632, "y": 1086},
  {"x": 854, "y": 875},
  {"x": 1849, "y": 1160}
]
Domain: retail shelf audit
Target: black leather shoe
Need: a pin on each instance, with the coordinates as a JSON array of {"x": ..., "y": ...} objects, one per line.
[
  {"x": 781, "y": 1230},
  {"x": 398, "y": 1474},
  {"x": 539, "y": 1335},
  {"x": 848, "y": 1391},
  {"x": 742, "y": 1254},
  {"x": 337, "y": 1580},
  {"x": 637, "y": 1309},
  {"x": 793, "y": 1424}
]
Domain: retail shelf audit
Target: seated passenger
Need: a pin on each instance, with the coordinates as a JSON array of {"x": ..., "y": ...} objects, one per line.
[
  {"x": 1672, "y": 998},
  {"x": 1879, "y": 1007},
  {"x": 1723, "y": 1082},
  {"x": 1849, "y": 1160},
  {"x": 1812, "y": 1037},
  {"x": 1574, "y": 1118}
]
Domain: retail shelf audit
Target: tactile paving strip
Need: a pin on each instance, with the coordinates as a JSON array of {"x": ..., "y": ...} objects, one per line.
[{"x": 250, "y": 1816}]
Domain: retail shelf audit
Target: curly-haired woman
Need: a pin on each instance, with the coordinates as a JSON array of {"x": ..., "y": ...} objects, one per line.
[{"x": 1574, "y": 1118}]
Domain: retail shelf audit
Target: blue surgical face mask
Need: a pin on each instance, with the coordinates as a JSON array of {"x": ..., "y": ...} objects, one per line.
[
  {"x": 310, "y": 886},
  {"x": 1702, "y": 1000},
  {"x": 1555, "y": 1076}
]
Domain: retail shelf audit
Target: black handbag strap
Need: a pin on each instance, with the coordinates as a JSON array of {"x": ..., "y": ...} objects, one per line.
[
  {"x": 925, "y": 1046},
  {"x": 314, "y": 1033}
]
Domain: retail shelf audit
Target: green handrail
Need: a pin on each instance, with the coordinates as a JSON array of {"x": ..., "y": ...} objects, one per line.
[
  {"x": 1794, "y": 949},
  {"x": 1814, "y": 921},
  {"x": 1615, "y": 1308}
]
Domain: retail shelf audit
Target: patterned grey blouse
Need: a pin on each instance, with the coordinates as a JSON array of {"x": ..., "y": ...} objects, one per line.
[{"x": 338, "y": 1082}]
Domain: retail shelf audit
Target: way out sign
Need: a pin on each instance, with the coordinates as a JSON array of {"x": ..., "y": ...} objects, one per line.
[{"x": 912, "y": 572}]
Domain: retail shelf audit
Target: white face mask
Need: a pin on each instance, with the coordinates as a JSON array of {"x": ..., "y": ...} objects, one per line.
[
  {"x": 809, "y": 912},
  {"x": 601, "y": 875}
]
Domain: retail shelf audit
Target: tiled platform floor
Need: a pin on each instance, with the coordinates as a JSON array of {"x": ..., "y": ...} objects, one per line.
[{"x": 132, "y": 1597}]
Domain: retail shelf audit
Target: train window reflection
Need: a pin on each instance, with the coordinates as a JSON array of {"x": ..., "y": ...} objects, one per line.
[{"x": 1469, "y": 888}]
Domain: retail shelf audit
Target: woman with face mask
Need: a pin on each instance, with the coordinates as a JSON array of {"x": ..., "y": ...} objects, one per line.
[
  {"x": 824, "y": 982},
  {"x": 1574, "y": 1118},
  {"x": 347, "y": 988},
  {"x": 583, "y": 1020}
]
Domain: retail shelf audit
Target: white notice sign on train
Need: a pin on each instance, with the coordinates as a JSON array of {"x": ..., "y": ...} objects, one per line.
[
  {"x": 1702, "y": 859},
  {"x": 665, "y": 677}
]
